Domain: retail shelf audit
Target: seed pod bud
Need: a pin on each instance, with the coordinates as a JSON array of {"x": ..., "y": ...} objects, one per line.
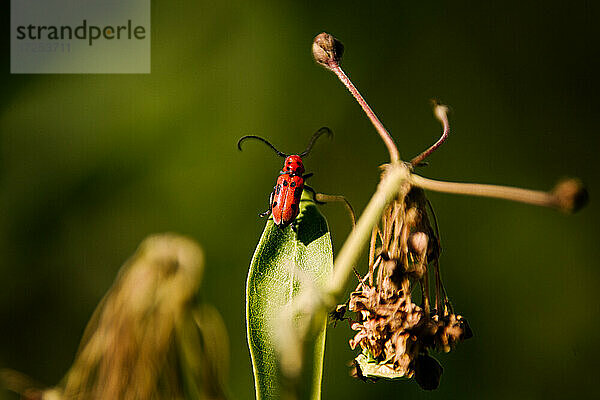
[
  {"x": 570, "y": 195},
  {"x": 428, "y": 372},
  {"x": 418, "y": 242},
  {"x": 327, "y": 50}
]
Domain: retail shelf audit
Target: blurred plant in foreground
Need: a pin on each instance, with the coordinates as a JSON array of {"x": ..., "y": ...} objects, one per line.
[{"x": 149, "y": 338}]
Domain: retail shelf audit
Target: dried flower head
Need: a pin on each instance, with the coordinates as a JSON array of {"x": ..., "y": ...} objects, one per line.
[{"x": 395, "y": 334}]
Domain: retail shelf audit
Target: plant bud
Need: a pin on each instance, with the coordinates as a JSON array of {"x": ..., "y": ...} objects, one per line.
[
  {"x": 428, "y": 372},
  {"x": 327, "y": 50},
  {"x": 570, "y": 195},
  {"x": 439, "y": 110},
  {"x": 418, "y": 242},
  {"x": 466, "y": 329}
]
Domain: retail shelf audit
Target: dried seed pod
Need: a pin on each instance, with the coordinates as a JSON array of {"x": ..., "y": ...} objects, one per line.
[
  {"x": 571, "y": 195},
  {"x": 418, "y": 242},
  {"x": 327, "y": 50},
  {"x": 428, "y": 372}
]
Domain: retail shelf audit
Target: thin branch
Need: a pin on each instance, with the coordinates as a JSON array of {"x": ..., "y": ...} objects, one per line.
[
  {"x": 441, "y": 113},
  {"x": 327, "y": 198},
  {"x": 535, "y": 197},
  {"x": 385, "y": 136},
  {"x": 327, "y": 51}
]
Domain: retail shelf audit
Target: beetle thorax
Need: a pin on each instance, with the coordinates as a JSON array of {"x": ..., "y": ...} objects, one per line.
[{"x": 293, "y": 165}]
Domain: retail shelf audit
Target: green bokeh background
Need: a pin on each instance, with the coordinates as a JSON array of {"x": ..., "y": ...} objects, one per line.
[{"x": 92, "y": 164}]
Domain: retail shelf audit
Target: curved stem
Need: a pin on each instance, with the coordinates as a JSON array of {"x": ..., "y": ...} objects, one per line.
[
  {"x": 327, "y": 198},
  {"x": 441, "y": 113},
  {"x": 535, "y": 197},
  {"x": 387, "y": 139}
]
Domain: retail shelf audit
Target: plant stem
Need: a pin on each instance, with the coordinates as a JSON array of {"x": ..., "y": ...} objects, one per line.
[
  {"x": 387, "y": 139},
  {"x": 397, "y": 181},
  {"x": 393, "y": 183},
  {"x": 326, "y": 198},
  {"x": 441, "y": 113},
  {"x": 535, "y": 197}
]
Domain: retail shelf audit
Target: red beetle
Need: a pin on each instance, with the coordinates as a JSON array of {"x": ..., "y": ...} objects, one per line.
[{"x": 285, "y": 199}]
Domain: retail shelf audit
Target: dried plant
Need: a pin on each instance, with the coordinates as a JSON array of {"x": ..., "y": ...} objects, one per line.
[{"x": 394, "y": 333}]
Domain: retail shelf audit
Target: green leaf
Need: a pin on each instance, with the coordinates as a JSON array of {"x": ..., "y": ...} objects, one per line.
[{"x": 286, "y": 264}]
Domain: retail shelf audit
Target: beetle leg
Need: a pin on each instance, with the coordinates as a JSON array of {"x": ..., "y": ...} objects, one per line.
[
  {"x": 266, "y": 213},
  {"x": 294, "y": 225},
  {"x": 305, "y": 177}
]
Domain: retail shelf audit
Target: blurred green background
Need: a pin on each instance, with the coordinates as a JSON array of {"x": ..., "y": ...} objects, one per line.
[{"x": 92, "y": 164}]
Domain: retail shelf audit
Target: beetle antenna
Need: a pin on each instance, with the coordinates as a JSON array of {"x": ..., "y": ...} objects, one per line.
[
  {"x": 239, "y": 144},
  {"x": 314, "y": 138}
]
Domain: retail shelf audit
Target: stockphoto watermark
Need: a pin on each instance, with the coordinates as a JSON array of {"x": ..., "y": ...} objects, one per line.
[
  {"x": 92, "y": 36},
  {"x": 81, "y": 32}
]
